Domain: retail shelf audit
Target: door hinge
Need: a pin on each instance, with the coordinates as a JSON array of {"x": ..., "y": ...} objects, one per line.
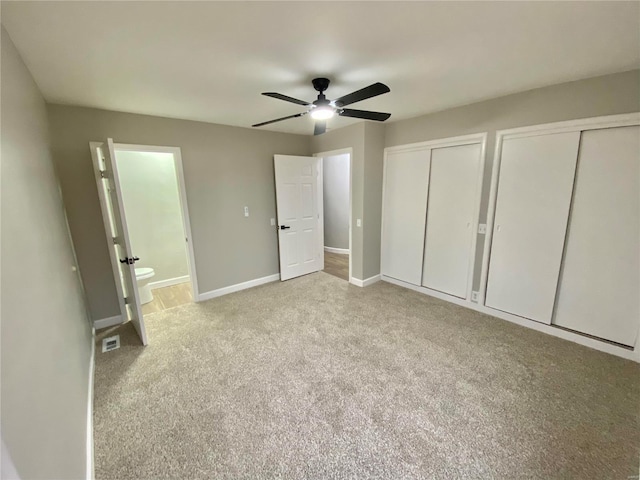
[
  {"x": 115, "y": 240},
  {"x": 127, "y": 300},
  {"x": 103, "y": 174}
]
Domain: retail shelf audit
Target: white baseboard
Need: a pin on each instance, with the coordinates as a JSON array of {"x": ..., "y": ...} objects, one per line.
[
  {"x": 366, "y": 282},
  {"x": 237, "y": 287},
  {"x": 107, "y": 322},
  {"x": 341, "y": 251},
  {"x": 92, "y": 363},
  {"x": 169, "y": 282},
  {"x": 540, "y": 327}
]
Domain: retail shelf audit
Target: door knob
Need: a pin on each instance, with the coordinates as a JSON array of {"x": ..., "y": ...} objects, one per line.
[{"x": 129, "y": 261}]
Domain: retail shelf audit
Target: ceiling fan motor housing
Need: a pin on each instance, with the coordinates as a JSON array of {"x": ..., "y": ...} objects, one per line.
[{"x": 320, "y": 84}]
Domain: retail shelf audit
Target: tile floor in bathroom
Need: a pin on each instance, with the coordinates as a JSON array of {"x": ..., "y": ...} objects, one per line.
[{"x": 168, "y": 297}]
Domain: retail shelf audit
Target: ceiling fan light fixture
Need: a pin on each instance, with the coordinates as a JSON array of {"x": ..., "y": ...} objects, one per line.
[
  {"x": 323, "y": 108},
  {"x": 322, "y": 113}
]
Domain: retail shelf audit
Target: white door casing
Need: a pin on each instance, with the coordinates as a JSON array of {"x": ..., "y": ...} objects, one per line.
[
  {"x": 323, "y": 155},
  {"x": 118, "y": 235},
  {"x": 536, "y": 175},
  {"x": 182, "y": 190},
  {"x": 452, "y": 218},
  {"x": 298, "y": 201}
]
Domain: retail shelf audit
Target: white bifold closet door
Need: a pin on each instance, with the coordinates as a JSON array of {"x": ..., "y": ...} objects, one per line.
[
  {"x": 535, "y": 185},
  {"x": 451, "y": 218},
  {"x": 406, "y": 184},
  {"x": 600, "y": 284}
]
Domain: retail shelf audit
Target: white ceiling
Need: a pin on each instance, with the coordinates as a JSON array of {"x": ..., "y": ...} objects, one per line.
[{"x": 209, "y": 61}]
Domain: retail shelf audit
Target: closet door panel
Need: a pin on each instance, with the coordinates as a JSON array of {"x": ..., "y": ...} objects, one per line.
[
  {"x": 600, "y": 283},
  {"x": 404, "y": 213},
  {"x": 534, "y": 193},
  {"x": 450, "y": 218}
]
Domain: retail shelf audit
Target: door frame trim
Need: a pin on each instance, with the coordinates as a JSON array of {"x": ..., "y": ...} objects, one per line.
[
  {"x": 577, "y": 125},
  {"x": 184, "y": 207},
  {"x": 333, "y": 153}
]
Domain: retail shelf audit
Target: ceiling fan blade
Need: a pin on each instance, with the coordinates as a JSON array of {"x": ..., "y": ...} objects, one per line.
[
  {"x": 279, "y": 119},
  {"x": 362, "y": 94},
  {"x": 320, "y": 128},
  {"x": 367, "y": 115},
  {"x": 279, "y": 96}
]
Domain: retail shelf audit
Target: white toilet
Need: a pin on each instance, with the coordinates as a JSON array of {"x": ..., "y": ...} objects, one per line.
[{"x": 143, "y": 277}]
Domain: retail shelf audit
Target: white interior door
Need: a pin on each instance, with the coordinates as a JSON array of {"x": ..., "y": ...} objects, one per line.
[
  {"x": 451, "y": 218},
  {"x": 404, "y": 209},
  {"x": 122, "y": 256},
  {"x": 298, "y": 200},
  {"x": 534, "y": 194},
  {"x": 599, "y": 292}
]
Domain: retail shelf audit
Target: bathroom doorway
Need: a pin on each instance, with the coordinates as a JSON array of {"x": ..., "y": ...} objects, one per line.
[
  {"x": 149, "y": 189},
  {"x": 151, "y": 193}
]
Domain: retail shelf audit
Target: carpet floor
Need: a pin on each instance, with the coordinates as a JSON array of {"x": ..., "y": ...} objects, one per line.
[{"x": 315, "y": 378}]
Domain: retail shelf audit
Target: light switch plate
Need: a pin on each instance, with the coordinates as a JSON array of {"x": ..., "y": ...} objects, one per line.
[
  {"x": 246, "y": 211},
  {"x": 273, "y": 222},
  {"x": 358, "y": 222}
]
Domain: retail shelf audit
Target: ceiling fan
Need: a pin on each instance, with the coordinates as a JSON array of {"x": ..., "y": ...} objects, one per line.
[{"x": 322, "y": 109}]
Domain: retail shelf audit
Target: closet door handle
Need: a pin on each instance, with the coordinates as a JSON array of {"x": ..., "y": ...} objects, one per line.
[{"x": 284, "y": 227}]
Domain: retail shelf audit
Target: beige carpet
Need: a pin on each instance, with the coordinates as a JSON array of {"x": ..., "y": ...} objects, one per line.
[{"x": 315, "y": 378}]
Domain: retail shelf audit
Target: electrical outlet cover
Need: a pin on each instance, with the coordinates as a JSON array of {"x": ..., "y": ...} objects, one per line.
[{"x": 474, "y": 296}]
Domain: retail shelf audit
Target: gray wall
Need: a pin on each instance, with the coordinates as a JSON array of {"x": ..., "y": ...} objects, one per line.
[
  {"x": 225, "y": 169},
  {"x": 373, "y": 171},
  {"x": 46, "y": 336},
  {"x": 605, "y": 95},
  {"x": 335, "y": 172},
  {"x": 229, "y": 167},
  {"x": 151, "y": 198}
]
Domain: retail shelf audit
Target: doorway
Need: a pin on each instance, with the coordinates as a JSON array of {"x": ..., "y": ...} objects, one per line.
[
  {"x": 336, "y": 185},
  {"x": 304, "y": 215},
  {"x": 145, "y": 188}
]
